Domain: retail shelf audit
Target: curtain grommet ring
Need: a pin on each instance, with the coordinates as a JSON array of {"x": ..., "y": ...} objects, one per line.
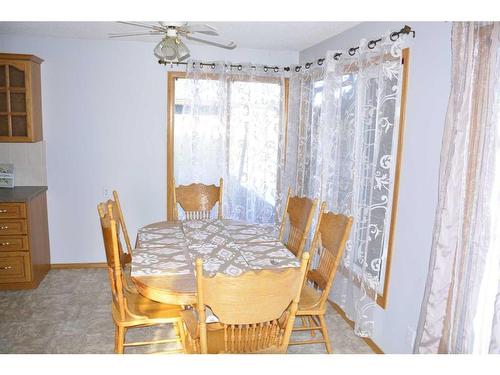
[
  {"x": 372, "y": 44},
  {"x": 297, "y": 68},
  {"x": 286, "y": 68},
  {"x": 320, "y": 61},
  {"x": 308, "y": 65},
  {"x": 352, "y": 51},
  {"x": 240, "y": 67},
  {"x": 276, "y": 69},
  {"x": 212, "y": 66},
  {"x": 337, "y": 56},
  {"x": 265, "y": 69},
  {"x": 394, "y": 36}
]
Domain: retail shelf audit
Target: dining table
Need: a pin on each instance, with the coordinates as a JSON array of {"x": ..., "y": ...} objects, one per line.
[{"x": 165, "y": 253}]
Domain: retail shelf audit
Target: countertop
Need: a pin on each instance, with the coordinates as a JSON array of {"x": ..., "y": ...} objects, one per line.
[{"x": 20, "y": 193}]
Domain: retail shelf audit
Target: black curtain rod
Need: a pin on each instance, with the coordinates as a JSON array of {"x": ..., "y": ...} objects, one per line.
[{"x": 351, "y": 51}]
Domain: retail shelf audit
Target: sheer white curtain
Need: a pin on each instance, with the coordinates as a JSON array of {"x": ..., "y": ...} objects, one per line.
[
  {"x": 461, "y": 307},
  {"x": 343, "y": 132},
  {"x": 201, "y": 126},
  {"x": 231, "y": 125}
]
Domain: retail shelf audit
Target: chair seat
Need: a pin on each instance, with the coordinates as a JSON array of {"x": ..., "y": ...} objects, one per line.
[
  {"x": 309, "y": 300},
  {"x": 140, "y": 308}
]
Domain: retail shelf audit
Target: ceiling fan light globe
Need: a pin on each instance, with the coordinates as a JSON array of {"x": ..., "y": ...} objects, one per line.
[
  {"x": 182, "y": 51},
  {"x": 183, "y": 57},
  {"x": 166, "y": 49},
  {"x": 157, "y": 50}
]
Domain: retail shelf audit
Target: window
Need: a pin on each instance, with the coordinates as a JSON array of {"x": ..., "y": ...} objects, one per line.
[{"x": 239, "y": 138}]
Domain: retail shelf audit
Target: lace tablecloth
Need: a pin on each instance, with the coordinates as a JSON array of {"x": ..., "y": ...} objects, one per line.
[{"x": 229, "y": 247}]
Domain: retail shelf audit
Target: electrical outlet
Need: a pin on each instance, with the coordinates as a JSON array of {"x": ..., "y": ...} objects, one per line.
[
  {"x": 410, "y": 337},
  {"x": 105, "y": 193}
]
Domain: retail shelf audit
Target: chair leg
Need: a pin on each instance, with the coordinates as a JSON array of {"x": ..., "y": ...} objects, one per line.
[
  {"x": 176, "y": 328},
  {"x": 182, "y": 334},
  {"x": 119, "y": 339},
  {"x": 116, "y": 338},
  {"x": 324, "y": 331},
  {"x": 312, "y": 324}
]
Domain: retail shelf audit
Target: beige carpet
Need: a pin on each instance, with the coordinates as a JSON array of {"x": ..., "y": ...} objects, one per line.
[{"x": 70, "y": 313}]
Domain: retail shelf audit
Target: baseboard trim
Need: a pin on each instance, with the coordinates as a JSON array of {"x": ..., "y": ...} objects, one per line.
[
  {"x": 69, "y": 266},
  {"x": 367, "y": 340}
]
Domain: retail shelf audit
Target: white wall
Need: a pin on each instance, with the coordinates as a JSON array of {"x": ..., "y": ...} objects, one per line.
[
  {"x": 104, "y": 119},
  {"x": 428, "y": 90}
]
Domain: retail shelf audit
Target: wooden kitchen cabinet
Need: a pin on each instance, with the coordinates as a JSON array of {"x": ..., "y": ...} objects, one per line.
[
  {"x": 20, "y": 98},
  {"x": 24, "y": 237}
]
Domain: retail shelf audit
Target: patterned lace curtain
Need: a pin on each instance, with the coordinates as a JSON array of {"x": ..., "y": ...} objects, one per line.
[
  {"x": 343, "y": 131},
  {"x": 232, "y": 126}
]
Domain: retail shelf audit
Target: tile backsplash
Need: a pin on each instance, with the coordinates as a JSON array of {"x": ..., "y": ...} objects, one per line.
[{"x": 29, "y": 162}]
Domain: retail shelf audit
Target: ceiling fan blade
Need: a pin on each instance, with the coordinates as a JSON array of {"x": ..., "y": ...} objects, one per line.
[
  {"x": 218, "y": 43},
  {"x": 139, "y": 24},
  {"x": 121, "y": 35},
  {"x": 200, "y": 28}
]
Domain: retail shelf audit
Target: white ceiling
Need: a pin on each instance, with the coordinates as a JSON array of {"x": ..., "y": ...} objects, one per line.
[{"x": 294, "y": 36}]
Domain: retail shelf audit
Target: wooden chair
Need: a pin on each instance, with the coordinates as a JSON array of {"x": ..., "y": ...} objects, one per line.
[
  {"x": 256, "y": 311},
  {"x": 129, "y": 309},
  {"x": 299, "y": 211},
  {"x": 198, "y": 200},
  {"x": 330, "y": 237}
]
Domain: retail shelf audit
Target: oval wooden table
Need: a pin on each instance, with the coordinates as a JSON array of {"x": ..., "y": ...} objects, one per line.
[{"x": 163, "y": 261}]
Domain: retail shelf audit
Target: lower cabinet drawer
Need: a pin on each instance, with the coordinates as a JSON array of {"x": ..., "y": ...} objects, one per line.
[
  {"x": 13, "y": 227},
  {"x": 13, "y": 243},
  {"x": 12, "y": 210},
  {"x": 14, "y": 267}
]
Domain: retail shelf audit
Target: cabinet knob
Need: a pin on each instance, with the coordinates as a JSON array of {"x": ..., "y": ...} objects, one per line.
[
  {"x": 6, "y": 268},
  {"x": 4, "y": 227},
  {"x": 3, "y": 211},
  {"x": 5, "y": 244}
]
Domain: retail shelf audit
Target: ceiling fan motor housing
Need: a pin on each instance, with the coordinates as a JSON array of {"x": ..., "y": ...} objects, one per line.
[{"x": 171, "y": 32}]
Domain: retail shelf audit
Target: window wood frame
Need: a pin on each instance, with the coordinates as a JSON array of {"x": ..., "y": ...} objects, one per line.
[{"x": 405, "y": 61}]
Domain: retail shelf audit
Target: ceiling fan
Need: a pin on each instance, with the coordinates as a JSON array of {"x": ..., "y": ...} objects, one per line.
[{"x": 171, "y": 48}]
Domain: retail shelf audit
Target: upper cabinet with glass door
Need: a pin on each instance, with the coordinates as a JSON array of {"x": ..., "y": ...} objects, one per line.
[{"x": 20, "y": 98}]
